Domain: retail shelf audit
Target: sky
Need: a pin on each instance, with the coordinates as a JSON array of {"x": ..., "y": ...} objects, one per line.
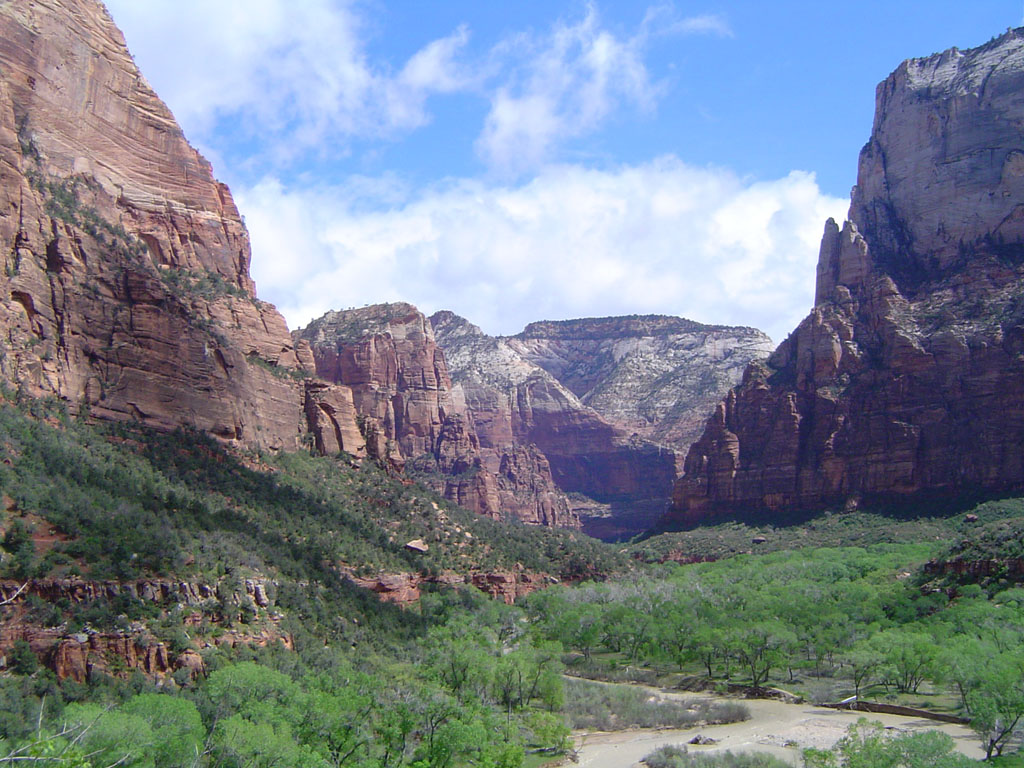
[{"x": 528, "y": 160}]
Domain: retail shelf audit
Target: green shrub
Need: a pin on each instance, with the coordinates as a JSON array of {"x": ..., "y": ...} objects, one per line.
[
  {"x": 677, "y": 756},
  {"x": 594, "y": 706}
]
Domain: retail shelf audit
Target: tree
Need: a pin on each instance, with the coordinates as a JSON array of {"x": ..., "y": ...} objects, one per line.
[
  {"x": 867, "y": 745},
  {"x": 337, "y": 724},
  {"x": 60, "y": 749},
  {"x": 176, "y": 727},
  {"x": 111, "y": 736},
  {"x": 706, "y": 643},
  {"x": 240, "y": 742},
  {"x": 996, "y": 702},
  {"x": 863, "y": 661},
  {"x": 908, "y": 658},
  {"x": 461, "y": 657},
  {"x": 965, "y": 660},
  {"x": 760, "y": 647}
]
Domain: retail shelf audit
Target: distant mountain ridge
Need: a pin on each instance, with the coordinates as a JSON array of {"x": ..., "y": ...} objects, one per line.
[
  {"x": 592, "y": 394},
  {"x": 656, "y": 375},
  {"x": 415, "y": 420}
]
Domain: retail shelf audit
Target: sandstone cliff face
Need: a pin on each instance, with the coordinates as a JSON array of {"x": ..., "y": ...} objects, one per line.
[
  {"x": 907, "y": 378},
  {"x": 125, "y": 287},
  {"x": 88, "y": 654},
  {"x": 514, "y": 401},
  {"x": 404, "y": 588},
  {"x": 413, "y": 418},
  {"x": 657, "y": 376}
]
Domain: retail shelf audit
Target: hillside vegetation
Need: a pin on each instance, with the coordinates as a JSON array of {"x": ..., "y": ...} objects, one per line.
[{"x": 328, "y": 674}]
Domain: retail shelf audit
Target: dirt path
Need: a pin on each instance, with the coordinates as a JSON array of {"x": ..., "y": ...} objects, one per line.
[{"x": 774, "y": 726}]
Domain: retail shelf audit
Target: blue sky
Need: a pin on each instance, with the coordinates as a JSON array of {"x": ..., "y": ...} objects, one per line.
[{"x": 516, "y": 161}]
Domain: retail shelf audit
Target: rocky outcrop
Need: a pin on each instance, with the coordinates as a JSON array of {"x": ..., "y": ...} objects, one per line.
[
  {"x": 404, "y": 588},
  {"x": 656, "y": 376},
  {"x": 906, "y": 378},
  {"x": 515, "y": 402},
  {"x": 333, "y": 421},
  {"x": 413, "y": 419},
  {"x": 125, "y": 287},
  {"x": 386, "y": 355},
  {"x": 87, "y": 654},
  {"x": 160, "y": 591},
  {"x": 974, "y": 571}
]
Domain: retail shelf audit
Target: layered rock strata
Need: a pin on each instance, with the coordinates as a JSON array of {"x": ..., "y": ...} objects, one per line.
[
  {"x": 125, "y": 287},
  {"x": 907, "y": 377},
  {"x": 507, "y": 586},
  {"x": 414, "y": 419},
  {"x": 88, "y": 654},
  {"x": 657, "y": 376},
  {"x": 515, "y": 402}
]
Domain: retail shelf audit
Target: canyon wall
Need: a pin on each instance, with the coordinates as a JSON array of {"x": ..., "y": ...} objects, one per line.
[
  {"x": 906, "y": 381},
  {"x": 656, "y": 376},
  {"x": 414, "y": 419},
  {"x": 514, "y": 401},
  {"x": 125, "y": 287}
]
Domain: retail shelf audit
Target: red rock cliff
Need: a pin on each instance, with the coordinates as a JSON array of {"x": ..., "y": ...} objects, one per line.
[
  {"x": 515, "y": 402},
  {"x": 907, "y": 378},
  {"x": 125, "y": 287},
  {"x": 414, "y": 419}
]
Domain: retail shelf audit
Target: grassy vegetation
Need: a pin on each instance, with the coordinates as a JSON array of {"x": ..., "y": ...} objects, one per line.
[
  {"x": 599, "y": 707},
  {"x": 677, "y": 756},
  {"x": 858, "y": 528},
  {"x": 120, "y": 502},
  {"x": 368, "y": 683},
  {"x": 825, "y": 623},
  {"x": 206, "y": 285},
  {"x": 130, "y": 503}
]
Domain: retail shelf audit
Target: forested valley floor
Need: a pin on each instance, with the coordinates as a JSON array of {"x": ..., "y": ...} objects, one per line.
[{"x": 312, "y": 670}]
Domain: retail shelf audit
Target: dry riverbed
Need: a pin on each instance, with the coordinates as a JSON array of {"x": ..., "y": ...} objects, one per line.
[{"x": 775, "y": 727}]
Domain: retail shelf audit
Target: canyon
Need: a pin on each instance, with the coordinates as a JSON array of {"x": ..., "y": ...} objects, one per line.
[
  {"x": 126, "y": 294},
  {"x": 572, "y": 424},
  {"x": 609, "y": 401}
]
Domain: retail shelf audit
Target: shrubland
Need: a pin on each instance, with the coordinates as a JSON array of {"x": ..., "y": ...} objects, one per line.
[
  {"x": 829, "y": 623},
  {"x": 457, "y": 679}
]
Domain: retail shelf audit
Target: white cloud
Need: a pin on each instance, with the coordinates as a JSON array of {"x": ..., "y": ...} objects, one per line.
[
  {"x": 290, "y": 71},
  {"x": 561, "y": 86},
  {"x": 705, "y": 24},
  {"x": 661, "y": 237},
  {"x": 567, "y": 83},
  {"x": 295, "y": 78}
]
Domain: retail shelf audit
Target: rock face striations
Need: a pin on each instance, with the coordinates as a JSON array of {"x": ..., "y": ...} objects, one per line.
[
  {"x": 125, "y": 287},
  {"x": 515, "y": 402},
  {"x": 656, "y": 376},
  {"x": 125, "y": 291},
  {"x": 907, "y": 378},
  {"x": 413, "y": 418}
]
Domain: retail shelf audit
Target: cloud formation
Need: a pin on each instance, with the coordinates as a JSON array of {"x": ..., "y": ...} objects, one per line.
[
  {"x": 295, "y": 79},
  {"x": 559, "y": 86},
  {"x": 661, "y": 237},
  {"x": 566, "y": 83},
  {"x": 290, "y": 71},
  {"x": 285, "y": 81}
]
